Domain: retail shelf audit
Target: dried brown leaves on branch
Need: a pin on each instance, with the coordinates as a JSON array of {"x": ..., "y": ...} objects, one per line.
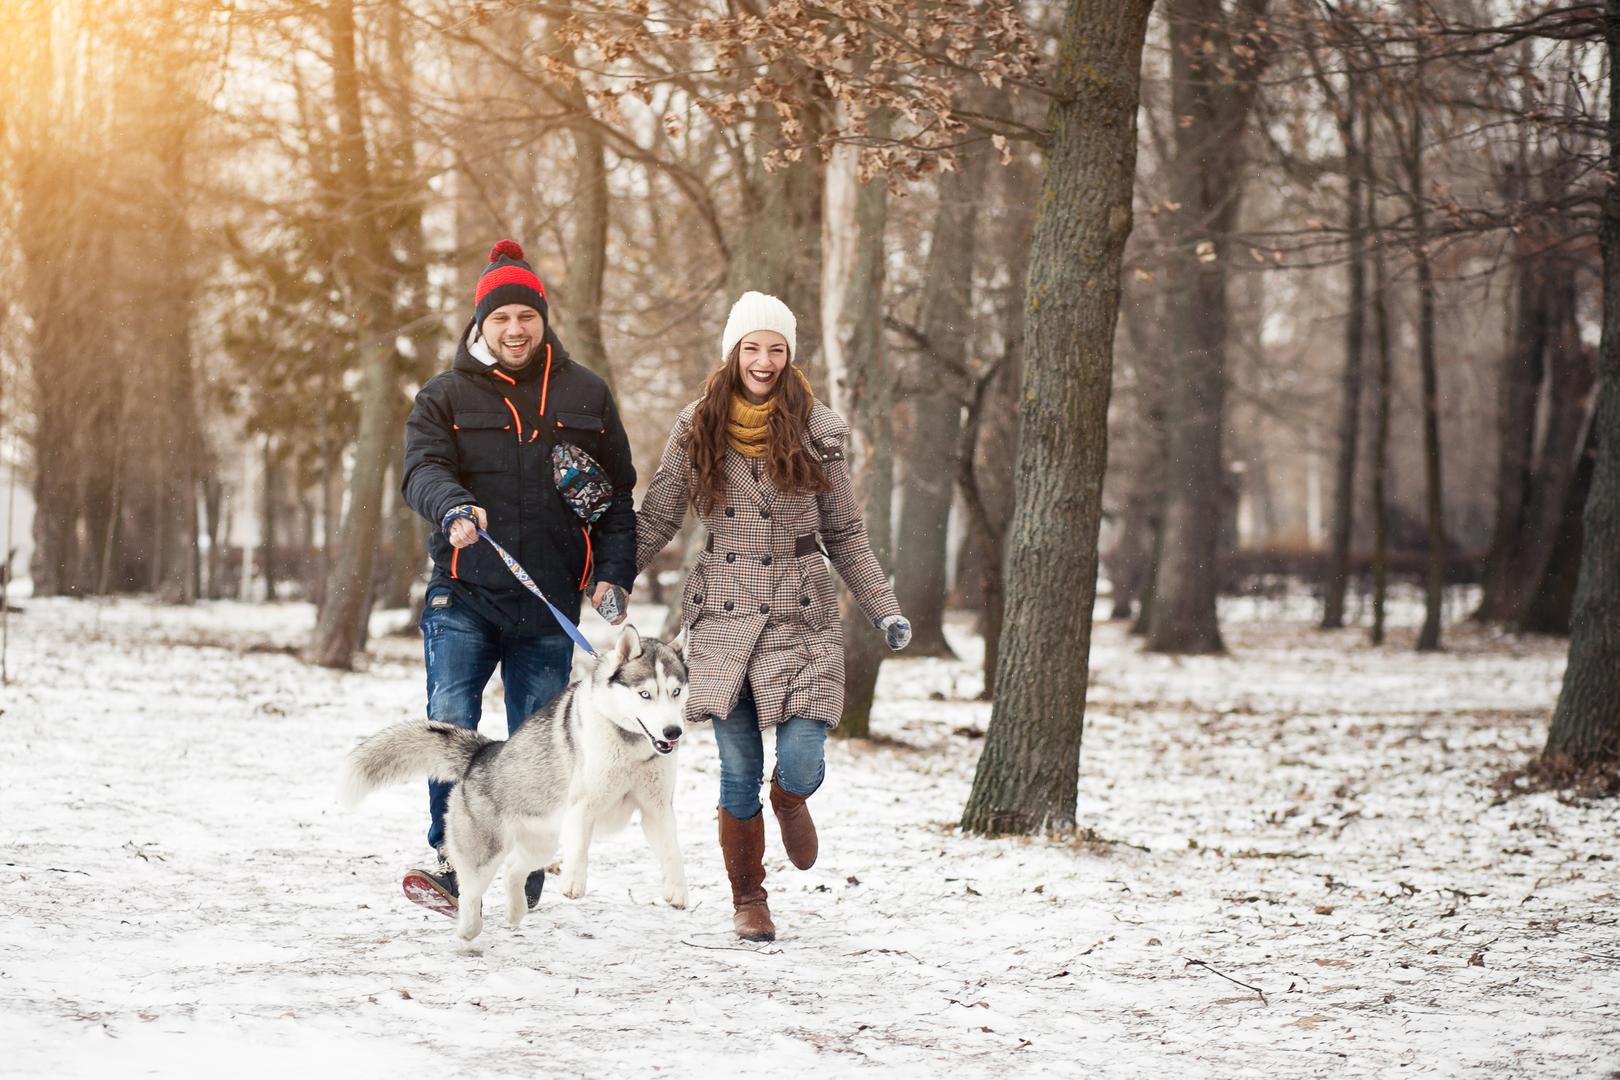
[{"x": 840, "y": 60}]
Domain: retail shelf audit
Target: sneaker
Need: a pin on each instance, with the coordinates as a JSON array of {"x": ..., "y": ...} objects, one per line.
[
  {"x": 434, "y": 889},
  {"x": 532, "y": 885}
]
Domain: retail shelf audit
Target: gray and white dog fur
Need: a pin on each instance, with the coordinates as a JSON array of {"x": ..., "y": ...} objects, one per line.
[{"x": 602, "y": 750}]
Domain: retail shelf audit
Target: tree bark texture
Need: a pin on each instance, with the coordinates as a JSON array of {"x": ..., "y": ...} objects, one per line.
[
  {"x": 1549, "y": 606},
  {"x": 777, "y": 246},
  {"x": 936, "y": 413},
  {"x": 341, "y": 629},
  {"x": 1518, "y": 395},
  {"x": 871, "y": 404},
  {"x": 588, "y": 253},
  {"x": 1585, "y": 727},
  {"x": 1028, "y": 774},
  {"x": 1211, "y": 108}
]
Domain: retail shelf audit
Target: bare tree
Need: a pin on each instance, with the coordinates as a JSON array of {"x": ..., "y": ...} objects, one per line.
[
  {"x": 1585, "y": 726},
  {"x": 1216, "y": 56},
  {"x": 1028, "y": 774},
  {"x": 341, "y": 631}
]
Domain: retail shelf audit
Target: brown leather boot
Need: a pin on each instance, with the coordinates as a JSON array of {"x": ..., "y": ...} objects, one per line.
[
  {"x": 742, "y": 843},
  {"x": 798, "y": 831}
]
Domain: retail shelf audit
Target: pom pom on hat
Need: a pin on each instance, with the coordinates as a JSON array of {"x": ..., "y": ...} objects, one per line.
[
  {"x": 758, "y": 311},
  {"x": 510, "y": 248}
]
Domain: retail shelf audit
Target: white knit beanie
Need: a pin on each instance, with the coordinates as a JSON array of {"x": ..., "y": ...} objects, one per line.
[{"x": 758, "y": 311}]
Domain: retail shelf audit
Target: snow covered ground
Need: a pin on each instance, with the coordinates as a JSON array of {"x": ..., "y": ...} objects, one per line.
[{"x": 180, "y": 895}]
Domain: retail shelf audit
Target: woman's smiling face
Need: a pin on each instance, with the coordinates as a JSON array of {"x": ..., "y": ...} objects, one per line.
[{"x": 761, "y": 358}]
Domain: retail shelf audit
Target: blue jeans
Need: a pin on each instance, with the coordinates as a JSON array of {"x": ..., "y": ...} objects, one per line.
[
  {"x": 462, "y": 649},
  {"x": 800, "y": 763}
]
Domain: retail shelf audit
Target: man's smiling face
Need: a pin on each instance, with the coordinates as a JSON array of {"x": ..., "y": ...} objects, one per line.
[{"x": 513, "y": 333}]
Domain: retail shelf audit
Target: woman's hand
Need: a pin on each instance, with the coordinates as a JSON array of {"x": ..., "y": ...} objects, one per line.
[
  {"x": 619, "y": 606},
  {"x": 897, "y": 630}
]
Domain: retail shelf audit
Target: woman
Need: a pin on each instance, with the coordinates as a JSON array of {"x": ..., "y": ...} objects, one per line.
[{"x": 763, "y": 464}]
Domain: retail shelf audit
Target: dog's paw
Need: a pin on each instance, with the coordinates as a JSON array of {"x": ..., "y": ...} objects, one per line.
[
  {"x": 675, "y": 895},
  {"x": 573, "y": 887},
  {"x": 467, "y": 946},
  {"x": 515, "y": 910}
]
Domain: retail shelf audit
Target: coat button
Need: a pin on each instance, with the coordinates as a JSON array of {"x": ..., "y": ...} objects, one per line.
[
  {"x": 764, "y": 513},
  {"x": 766, "y": 561},
  {"x": 730, "y": 605},
  {"x": 804, "y": 601},
  {"x": 764, "y": 609},
  {"x": 698, "y": 599},
  {"x": 731, "y": 511},
  {"x": 731, "y": 556}
]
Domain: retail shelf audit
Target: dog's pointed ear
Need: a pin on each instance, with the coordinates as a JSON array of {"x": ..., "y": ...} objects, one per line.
[
  {"x": 628, "y": 647},
  {"x": 678, "y": 646}
]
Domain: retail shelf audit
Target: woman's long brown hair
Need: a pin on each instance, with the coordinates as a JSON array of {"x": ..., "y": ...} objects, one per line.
[{"x": 788, "y": 464}]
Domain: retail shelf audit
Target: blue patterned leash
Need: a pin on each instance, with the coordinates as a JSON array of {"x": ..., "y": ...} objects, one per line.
[{"x": 521, "y": 574}]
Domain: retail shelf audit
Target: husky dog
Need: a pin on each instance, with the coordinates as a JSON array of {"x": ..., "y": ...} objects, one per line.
[{"x": 602, "y": 750}]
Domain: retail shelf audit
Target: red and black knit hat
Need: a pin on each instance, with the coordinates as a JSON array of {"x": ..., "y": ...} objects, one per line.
[{"x": 507, "y": 280}]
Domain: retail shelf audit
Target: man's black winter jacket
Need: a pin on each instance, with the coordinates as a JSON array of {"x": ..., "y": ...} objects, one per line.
[{"x": 472, "y": 439}]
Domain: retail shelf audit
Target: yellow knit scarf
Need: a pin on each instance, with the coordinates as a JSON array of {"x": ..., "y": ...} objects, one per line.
[{"x": 747, "y": 426}]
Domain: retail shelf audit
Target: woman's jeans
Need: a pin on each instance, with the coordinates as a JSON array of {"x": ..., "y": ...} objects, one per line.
[
  {"x": 462, "y": 649},
  {"x": 800, "y": 765}
]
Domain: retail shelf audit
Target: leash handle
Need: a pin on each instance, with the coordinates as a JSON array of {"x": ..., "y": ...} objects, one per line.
[{"x": 465, "y": 512}]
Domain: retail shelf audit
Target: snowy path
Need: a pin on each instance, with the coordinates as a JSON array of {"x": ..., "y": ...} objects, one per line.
[{"x": 179, "y": 895}]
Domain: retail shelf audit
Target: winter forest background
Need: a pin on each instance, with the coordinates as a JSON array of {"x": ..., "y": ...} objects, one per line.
[{"x": 1352, "y": 398}]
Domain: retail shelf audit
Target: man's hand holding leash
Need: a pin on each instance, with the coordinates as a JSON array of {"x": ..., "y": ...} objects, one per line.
[{"x": 463, "y": 531}]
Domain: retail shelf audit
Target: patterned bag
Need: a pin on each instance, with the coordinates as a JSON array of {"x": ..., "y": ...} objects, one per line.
[{"x": 581, "y": 481}]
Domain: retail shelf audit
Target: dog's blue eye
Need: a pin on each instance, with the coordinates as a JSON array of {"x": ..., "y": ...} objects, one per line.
[
  {"x": 675, "y": 692},
  {"x": 646, "y": 695}
]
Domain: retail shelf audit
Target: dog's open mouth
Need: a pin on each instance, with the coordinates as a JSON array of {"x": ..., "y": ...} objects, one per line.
[{"x": 661, "y": 745}]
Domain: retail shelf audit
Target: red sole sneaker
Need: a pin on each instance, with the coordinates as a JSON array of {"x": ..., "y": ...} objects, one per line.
[{"x": 422, "y": 889}]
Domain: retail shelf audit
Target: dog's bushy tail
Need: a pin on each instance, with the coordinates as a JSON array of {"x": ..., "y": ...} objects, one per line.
[{"x": 420, "y": 748}]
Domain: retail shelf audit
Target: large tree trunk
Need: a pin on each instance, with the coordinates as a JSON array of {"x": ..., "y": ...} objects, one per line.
[
  {"x": 1028, "y": 774},
  {"x": 50, "y": 240},
  {"x": 1518, "y": 395},
  {"x": 871, "y": 400},
  {"x": 1586, "y": 724},
  {"x": 936, "y": 413},
  {"x": 588, "y": 253},
  {"x": 777, "y": 249},
  {"x": 1212, "y": 109},
  {"x": 178, "y": 435},
  {"x": 1548, "y": 608},
  {"x": 1344, "y": 475},
  {"x": 1567, "y": 399},
  {"x": 342, "y": 626}
]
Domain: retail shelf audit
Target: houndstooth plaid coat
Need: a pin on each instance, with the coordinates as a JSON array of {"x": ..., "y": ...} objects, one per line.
[{"x": 760, "y": 604}]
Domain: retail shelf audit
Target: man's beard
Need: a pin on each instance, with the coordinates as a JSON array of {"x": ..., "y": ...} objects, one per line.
[{"x": 535, "y": 347}]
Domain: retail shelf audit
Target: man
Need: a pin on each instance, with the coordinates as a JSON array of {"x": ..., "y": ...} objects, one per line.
[{"x": 474, "y": 445}]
